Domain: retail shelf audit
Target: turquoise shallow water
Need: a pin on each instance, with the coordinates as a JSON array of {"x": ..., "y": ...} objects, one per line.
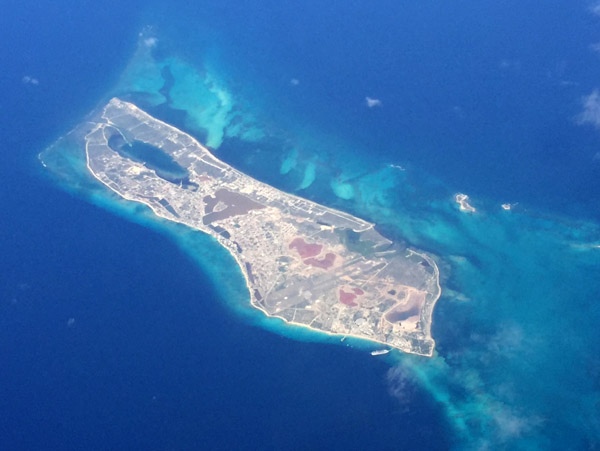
[{"x": 517, "y": 346}]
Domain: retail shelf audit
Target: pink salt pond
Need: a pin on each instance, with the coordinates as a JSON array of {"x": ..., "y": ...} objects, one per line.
[
  {"x": 304, "y": 249},
  {"x": 347, "y": 298}
]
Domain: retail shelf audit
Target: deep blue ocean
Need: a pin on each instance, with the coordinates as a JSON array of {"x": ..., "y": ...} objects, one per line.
[{"x": 115, "y": 335}]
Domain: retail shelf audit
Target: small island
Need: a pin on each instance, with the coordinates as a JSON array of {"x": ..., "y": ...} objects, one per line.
[
  {"x": 463, "y": 201},
  {"x": 304, "y": 263}
]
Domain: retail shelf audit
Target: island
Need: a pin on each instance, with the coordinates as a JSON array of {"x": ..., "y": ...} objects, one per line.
[
  {"x": 463, "y": 201},
  {"x": 307, "y": 264}
]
